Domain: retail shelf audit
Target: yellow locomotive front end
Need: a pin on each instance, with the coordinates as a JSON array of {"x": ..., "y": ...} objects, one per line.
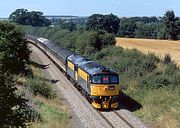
[{"x": 104, "y": 90}]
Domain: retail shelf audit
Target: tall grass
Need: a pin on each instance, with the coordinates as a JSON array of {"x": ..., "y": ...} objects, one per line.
[
  {"x": 53, "y": 112},
  {"x": 160, "y": 106}
]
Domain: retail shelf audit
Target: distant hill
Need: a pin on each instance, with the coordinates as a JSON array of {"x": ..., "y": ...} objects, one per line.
[
  {"x": 54, "y": 17},
  {"x": 3, "y": 18},
  {"x": 61, "y": 17}
]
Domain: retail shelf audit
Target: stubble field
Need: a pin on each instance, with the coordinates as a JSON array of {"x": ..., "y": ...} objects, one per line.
[{"x": 159, "y": 47}]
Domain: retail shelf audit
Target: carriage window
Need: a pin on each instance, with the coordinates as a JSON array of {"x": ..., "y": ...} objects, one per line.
[
  {"x": 114, "y": 79},
  {"x": 96, "y": 79}
]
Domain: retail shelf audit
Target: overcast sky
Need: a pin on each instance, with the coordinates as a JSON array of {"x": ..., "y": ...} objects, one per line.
[{"x": 88, "y": 7}]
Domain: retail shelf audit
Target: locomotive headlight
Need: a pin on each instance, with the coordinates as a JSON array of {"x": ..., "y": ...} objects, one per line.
[{"x": 111, "y": 87}]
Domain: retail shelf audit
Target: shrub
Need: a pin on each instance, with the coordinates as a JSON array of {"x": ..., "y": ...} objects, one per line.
[
  {"x": 176, "y": 78},
  {"x": 167, "y": 59},
  {"x": 149, "y": 62},
  {"x": 40, "y": 87},
  {"x": 170, "y": 69},
  {"x": 162, "y": 80},
  {"x": 82, "y": 41}
]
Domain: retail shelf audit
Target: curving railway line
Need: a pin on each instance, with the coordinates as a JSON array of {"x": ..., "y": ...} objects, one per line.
[
  {"x": 88, "y": 116},
  {"x": 114, "y": 119}
]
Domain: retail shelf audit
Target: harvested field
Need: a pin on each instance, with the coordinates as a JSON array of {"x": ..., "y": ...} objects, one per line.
[{"x": 159, "y": 47}]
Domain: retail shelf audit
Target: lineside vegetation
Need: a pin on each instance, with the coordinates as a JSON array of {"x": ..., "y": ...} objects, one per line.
[
  {"x": 14, "y": 55},
  {"x": 53, "y": 112},
  {"x": 153, "y": 82},
  {"x": 26, "y": 97}
]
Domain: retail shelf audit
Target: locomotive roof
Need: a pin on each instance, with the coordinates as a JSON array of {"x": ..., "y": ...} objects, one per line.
[{"x": 91, "y": 67}]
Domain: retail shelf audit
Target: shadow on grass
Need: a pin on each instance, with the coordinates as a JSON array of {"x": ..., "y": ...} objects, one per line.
[
  {"x": 41, "y": 66},
  {"x": 54, "y": 81},
  {"x": 126, "y": 102}
]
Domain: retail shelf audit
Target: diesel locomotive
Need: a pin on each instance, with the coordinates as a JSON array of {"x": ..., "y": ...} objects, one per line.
[{"x": 99, "y": 84}]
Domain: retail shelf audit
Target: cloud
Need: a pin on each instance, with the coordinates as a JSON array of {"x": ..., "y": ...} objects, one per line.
[{"x": 119, "y": 1}]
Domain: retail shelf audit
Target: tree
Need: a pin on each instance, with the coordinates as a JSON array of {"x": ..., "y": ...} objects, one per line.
[
  {"x": 127, "y": 28},
  {"x": 146, "y": 30},
  {"x": 24, "y": 17},
  {"x": 13, "y": 48},
  {"x": 91, "y": 41},
  {"x": 70, "y": 25},
  {"x": 110, "y": 23},
  {"x": 19, "y": 16},
  {"x": 178, "y": 27},
  {"x": 145, "y": 19},
  {"x": 95, "y": 22},
  {"x": 171, "y": 26},
  {"x": 161, "y": 30},
  {"x": 14, "y": 110}
]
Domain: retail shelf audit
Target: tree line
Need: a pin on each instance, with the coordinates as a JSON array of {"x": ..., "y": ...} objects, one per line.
[{"x": 166, "y": 27}]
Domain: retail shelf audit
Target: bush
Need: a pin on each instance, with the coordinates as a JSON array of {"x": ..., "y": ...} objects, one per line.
[
  {"x": 149, "y": 63},
  {"x": 82, "y": 41},
  {"x": 40, "y": 87},
  {"x": 167, "y": 59}
]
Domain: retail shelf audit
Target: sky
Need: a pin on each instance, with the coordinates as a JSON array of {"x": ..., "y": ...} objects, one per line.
[{"x": 121, "y": 8}]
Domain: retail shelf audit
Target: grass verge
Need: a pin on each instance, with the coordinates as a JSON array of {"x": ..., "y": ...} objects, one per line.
[
  {"x": 160, "y": 106},
  {"x": 53, "y": 113},
  {"x": 53, "y": 110}
]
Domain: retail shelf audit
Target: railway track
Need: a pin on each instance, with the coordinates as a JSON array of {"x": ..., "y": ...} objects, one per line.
[
  {"x": 120, "y": 116},
  {"x": 109, "y": 119},
  {"x": 117, "y": 121}
]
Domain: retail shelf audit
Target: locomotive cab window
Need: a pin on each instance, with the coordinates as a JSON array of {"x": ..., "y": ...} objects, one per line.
[
  {"x": 105, "y": 79},
  {"x": 96, "y": 79},
  {"x": 114, "y": 79}
]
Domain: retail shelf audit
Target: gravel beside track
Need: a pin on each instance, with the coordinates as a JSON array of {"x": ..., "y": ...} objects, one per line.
[
  {"x": 131, "y": 119},
  {"x": 115, "y": 120},
  {"x": 87, "y": 116}
]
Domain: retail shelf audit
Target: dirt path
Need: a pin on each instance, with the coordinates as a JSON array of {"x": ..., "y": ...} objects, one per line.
[{"x": 159, "y": 47}]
